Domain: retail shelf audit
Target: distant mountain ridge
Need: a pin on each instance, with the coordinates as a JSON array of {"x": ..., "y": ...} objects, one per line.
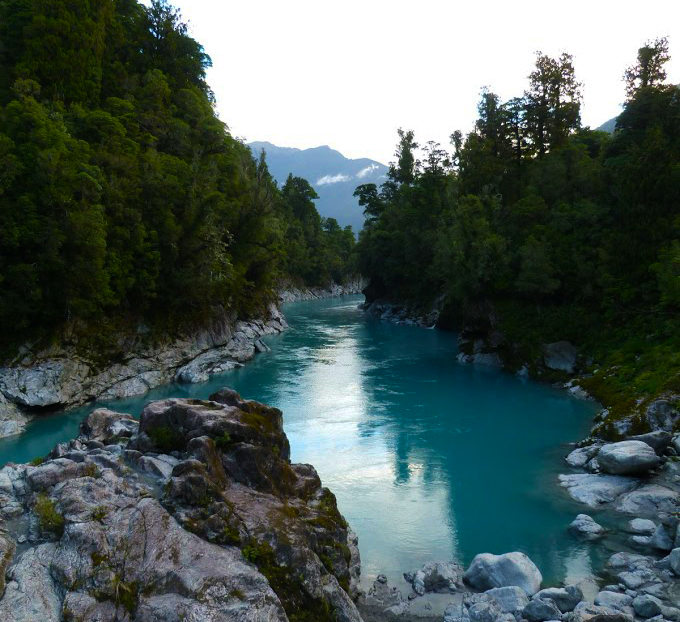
[
  {"x": 608, "y": 126},
  {"x": 333, "y": 176}
]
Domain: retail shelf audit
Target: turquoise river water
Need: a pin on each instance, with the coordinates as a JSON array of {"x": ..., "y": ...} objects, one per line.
[{"x": 429, "y": 459}]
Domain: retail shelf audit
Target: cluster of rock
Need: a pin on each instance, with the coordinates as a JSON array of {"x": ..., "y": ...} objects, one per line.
[
  {"x": 638, "y": 476},
  {"x": 291, "y": 293},
  {"x": 405, "y": 315},
  {"x": 62, "y": 376},
  {"x": 507, "y": 588},
  {"x": 193, "y": 513},
  {"x": 487, "y": 350}
]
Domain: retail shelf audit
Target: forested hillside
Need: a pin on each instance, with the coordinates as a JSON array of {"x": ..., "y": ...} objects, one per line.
[
  {"x": 555, "y": 230},
  {"x": 122, "y": 195}
]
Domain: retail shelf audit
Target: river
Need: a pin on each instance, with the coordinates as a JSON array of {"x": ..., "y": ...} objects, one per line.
[{"x": 429, "y": 459}]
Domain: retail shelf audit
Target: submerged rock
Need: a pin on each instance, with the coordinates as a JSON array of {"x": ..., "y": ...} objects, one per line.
[
  {"x": 488, "y": 571},
  {"x": 586, "y": 528},
  {"x": 225, "y": 539},
  {"x": 594, "y": 490},
  {"x": 649, "y": 500}
]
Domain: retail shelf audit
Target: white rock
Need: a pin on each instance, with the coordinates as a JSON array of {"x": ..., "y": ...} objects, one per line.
[
  {"x": 488, "y": 571},
  {"x": 649, "y": 500},
  {"x": 642, "y": 526},
  {"x": 585, "y": 527},
  {"x": 581, "y": 456},
  {"x": 627, "y": 458},
  {"x": 594, "y": 490}
]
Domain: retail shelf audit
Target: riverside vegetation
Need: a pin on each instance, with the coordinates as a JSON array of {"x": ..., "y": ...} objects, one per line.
[
  {"x": 124, "y": 200},
  {"x": 128, "y": 212},
  {"x": 537, "y": 230}
]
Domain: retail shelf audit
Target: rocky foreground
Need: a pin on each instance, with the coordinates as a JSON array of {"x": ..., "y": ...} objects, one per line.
[
  {"x": 195, "y": 513},
  {"x": 192, "y": 513}
]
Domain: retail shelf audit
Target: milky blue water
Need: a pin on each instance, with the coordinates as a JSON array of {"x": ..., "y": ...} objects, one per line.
[{"x": 429, "y": 459}]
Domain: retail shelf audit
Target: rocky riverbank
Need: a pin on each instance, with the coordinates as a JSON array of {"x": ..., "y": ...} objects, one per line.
[
  {"x": 60, "y": 376},
  {"x": 193, "y": 513},
  {"x": 292, "y": 293}
]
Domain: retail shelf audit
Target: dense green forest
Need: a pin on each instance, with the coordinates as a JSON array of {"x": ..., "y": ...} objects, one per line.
[
  {"x": 122, "y": 195},
  {"x": 559, "y": 231}
]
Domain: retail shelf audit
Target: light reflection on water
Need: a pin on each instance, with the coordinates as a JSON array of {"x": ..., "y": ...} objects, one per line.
[{"x": 429, "y": 460}]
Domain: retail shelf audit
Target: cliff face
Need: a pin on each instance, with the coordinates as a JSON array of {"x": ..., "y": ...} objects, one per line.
[
  {"x": 193, "y": 513},
  {"x": 64, "y": 375}
]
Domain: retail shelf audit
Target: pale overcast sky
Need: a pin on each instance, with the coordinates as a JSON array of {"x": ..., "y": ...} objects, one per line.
[{"x": 304, "y": 73}]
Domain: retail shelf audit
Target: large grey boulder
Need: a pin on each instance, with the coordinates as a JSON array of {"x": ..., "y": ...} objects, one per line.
[
  {"x": 595, "y": 490},
  {"x": 661, "y": 539},
  {"x": 566, "y": 598},
  {"x": 649, "y": 500},
  {"x": 674, "y": 560},
  {"x": 627, "y": 458},
  {"x": 647, "y": 606},
  {"x": 657, "y": 440},
  {"x": 541, "y": 610},
  {"x": 586, "y": 528},
  {"x": 511, "y": 599},
  {"x": 642, "y": 526},
  {"x": 560, "y": 356},
  {"x": 488, "y": 571}
]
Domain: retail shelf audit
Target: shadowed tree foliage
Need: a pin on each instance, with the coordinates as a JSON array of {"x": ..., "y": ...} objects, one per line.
[
  {"x": 122, "y": 195},
  {"x": 542, "y": 218}
]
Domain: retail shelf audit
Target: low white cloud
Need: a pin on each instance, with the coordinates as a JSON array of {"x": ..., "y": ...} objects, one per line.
[
  {"x": 367, "y": 171},
  {"x": 332, "y": 179}
]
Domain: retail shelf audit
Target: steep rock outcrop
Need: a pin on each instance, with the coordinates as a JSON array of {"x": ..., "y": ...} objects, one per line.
[
  {"x": 229, "y": 529},
  {"x": 62, "y": 376}
]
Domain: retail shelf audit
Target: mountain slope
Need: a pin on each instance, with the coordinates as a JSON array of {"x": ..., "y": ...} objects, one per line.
[
  {"x": 608, "y": 126},
  {"x": 333, "y": 176}
]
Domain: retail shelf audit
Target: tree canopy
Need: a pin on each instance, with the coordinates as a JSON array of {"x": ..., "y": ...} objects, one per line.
[
  {"x": 540, "y": 216},
  {"x": 121, "y": 192}
]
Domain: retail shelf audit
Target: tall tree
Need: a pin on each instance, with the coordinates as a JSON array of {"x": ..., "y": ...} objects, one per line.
[{"x": 649, "y": 69}]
